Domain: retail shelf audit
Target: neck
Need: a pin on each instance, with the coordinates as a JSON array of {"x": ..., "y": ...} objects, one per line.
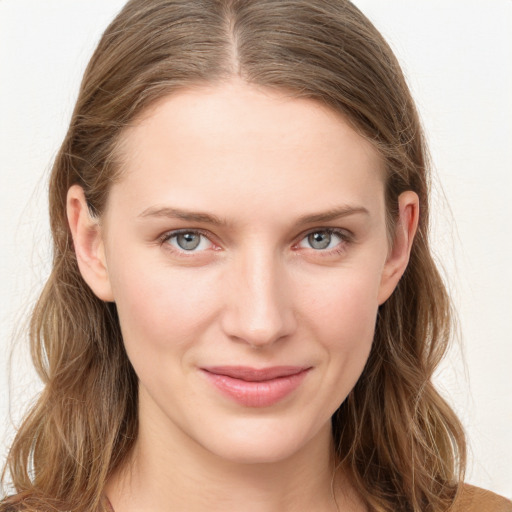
[{"x": 168, "y": 470}]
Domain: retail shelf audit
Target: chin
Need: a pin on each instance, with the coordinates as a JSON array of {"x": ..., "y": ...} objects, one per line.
[
  {"x": 256, "y": 453},
  {"x": 263, "y": 443}
]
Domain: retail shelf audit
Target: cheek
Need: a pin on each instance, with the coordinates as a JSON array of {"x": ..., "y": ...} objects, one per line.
[
  {"x": 343, "y": 319},
  {"x": 161, "y": 308},
  {"x": 345, "y": 308}
]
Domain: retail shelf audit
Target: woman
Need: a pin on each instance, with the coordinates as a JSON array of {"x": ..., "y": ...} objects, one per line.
[{"x": 243, "y": 312}]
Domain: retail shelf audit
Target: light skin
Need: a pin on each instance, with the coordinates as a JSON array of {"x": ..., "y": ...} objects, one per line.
[{"x": 254, "y": 283}]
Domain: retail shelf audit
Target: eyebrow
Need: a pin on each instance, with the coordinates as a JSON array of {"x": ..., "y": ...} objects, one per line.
[
  {"x": 208, "y": 218},
  {"x": 332, "y": 214},
  {"x": 175, "y": 213}
]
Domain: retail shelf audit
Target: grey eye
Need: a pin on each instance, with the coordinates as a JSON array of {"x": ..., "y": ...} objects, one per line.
[
  {"x": 320, "y": 239},
  {"x": 188, "y": 241}
]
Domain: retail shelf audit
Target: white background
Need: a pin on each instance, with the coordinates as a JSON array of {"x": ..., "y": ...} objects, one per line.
[{"x": 457, "y": 55}]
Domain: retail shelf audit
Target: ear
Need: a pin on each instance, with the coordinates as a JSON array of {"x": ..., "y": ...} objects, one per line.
[
  {"x": 398, "y": 257},
  {"x": 88, "y": 244}
]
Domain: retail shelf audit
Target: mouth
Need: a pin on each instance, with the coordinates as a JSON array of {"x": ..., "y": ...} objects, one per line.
[{"x": 256, "y": 387}]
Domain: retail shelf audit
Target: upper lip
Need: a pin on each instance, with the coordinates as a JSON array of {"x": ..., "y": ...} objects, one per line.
[{"x": 250, "y": 374}]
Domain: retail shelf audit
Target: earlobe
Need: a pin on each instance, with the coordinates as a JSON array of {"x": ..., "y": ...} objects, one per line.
[
  {"x": 88, "y": 244},
  {"x": 398, "y": 257}
]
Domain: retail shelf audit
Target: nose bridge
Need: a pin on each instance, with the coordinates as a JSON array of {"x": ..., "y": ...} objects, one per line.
[{"x": 259, "y": 310}]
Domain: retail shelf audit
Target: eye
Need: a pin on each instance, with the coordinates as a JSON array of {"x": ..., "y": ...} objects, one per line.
[
  {"x": 187, "y": 241},
  {"x": 323, "y": 239}
]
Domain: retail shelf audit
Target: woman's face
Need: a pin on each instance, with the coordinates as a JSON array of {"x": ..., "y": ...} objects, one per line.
[{"x": 246, "y": 250}]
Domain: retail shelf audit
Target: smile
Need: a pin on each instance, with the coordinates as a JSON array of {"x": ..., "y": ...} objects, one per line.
[{"x": 253, "y": 387}]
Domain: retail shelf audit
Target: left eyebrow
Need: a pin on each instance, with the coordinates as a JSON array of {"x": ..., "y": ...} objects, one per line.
[{"x": 332, "y": 214}]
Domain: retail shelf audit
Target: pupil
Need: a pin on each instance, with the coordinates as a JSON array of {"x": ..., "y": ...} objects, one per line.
[
  {"x": 320, "y": 240},
  {"x": 188, "y": 241}
]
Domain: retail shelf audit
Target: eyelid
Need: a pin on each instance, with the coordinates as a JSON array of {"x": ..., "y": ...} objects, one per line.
[
  {"x": 168, "y": 235},
  {"x": 344, "y": 233},
  {"x": 345, "y": 236}
]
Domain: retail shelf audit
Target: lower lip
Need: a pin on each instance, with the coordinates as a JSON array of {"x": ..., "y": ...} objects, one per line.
[{"x": 256, "y": 394}]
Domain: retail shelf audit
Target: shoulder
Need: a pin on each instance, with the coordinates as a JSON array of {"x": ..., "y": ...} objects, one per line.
[{"x": 474, "y": 499}]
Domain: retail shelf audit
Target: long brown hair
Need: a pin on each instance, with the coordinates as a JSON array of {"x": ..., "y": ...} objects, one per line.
[{"x": 401, "y": 443}]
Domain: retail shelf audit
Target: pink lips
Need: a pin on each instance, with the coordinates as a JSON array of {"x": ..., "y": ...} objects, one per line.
[{"x": 254, "y": 387}]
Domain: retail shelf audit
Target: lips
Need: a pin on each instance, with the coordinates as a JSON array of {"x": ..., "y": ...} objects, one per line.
[{"x": 256, "y": 387}]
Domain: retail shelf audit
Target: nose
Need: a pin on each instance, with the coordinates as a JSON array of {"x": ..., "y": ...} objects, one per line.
[{"x": 259, "y": 309}]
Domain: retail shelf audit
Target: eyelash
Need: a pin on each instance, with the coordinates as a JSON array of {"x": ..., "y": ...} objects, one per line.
[{"x": 345, "y": 238}]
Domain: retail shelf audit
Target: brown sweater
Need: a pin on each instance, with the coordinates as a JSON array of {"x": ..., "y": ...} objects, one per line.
[{"x": 474, "y": 499}]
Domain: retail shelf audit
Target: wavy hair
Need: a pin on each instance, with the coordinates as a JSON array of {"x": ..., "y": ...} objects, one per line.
[{"x": 398, "y": 439}]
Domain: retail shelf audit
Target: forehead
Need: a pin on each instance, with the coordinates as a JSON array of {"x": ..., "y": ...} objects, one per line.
[{"x": 236, "y": 145}]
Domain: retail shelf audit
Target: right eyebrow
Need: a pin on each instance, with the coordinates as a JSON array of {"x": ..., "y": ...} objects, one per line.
[{"x": 176, "y": 213}]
